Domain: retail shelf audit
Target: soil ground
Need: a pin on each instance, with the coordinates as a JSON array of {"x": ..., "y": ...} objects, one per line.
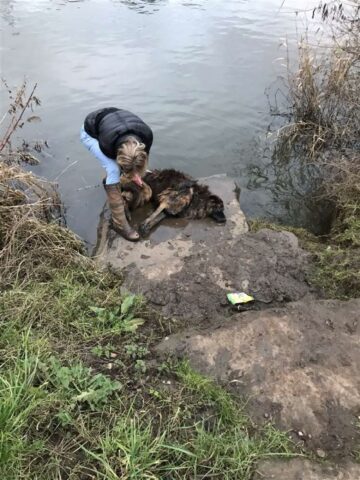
[{"x": 304, "y": 470}]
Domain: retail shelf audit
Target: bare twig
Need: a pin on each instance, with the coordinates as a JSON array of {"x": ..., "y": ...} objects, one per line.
[{"x": 16, "y": 120}]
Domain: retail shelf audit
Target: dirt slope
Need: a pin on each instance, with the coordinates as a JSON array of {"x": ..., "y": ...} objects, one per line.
[{"x": 295, "y": 357}]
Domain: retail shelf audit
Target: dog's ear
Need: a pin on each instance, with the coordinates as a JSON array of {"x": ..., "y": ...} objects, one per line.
[{"x": 215, "y": 200}]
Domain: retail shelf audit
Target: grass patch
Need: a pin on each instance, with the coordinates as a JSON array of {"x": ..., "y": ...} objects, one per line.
[
  {"x": 337, "y": 271},
  {"x": 82, "y": 398},
  {"x": 80, "y": 300},
  {"x": 228, "y": 410},
  {"x": 65, "y": 420},
  {"x": 18, "y": 401}
]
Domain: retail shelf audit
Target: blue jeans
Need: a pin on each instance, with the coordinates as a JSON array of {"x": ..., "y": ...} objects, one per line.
[{"x": 113, "y": 171}]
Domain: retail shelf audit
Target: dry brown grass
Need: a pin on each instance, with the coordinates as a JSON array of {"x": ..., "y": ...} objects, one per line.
[
  {"x": 324, "y": 131},
  {"x": 324, "y": 91},
  {"x": 324, "y": 94},
  {"x": 32, "y": 241}
]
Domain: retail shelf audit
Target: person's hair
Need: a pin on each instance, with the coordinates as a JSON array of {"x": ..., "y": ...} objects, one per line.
[{"x": 132, "y": 157}]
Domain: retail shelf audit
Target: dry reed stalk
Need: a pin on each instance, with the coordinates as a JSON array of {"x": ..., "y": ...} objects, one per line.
[{"x": 29, "y": 244}]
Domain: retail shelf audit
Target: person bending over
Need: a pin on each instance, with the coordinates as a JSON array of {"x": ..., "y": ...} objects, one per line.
[{"x": 121, "y": 141}]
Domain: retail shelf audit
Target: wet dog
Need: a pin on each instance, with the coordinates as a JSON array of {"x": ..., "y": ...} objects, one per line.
[{"x": 173, "y": 193}]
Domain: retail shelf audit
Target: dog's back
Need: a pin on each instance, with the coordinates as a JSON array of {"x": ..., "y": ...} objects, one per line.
[
  {"x": 158, "y": 181},
  {"x": 168, "y": 179}
]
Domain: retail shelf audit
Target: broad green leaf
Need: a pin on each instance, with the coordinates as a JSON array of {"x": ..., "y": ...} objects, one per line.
[
  {"x": 84, "y": 396},
  {"x": 127, "y": 303},
  {"x": 132, "y": 325}
]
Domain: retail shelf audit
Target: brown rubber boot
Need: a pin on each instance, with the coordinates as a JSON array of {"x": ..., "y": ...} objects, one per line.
[{"x": 117, "y": 208}]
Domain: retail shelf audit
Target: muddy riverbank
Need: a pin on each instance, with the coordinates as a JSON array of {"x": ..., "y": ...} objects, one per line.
[
  {"x": 88, "y": 349},
  {"x": 294, "y": 357}
]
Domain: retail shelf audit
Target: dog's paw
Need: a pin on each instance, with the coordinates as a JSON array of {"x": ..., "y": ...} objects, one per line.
[{"x": 143, "y": 230}]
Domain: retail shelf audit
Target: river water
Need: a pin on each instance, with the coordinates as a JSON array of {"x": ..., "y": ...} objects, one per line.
[{"x": 195, "y": 71}]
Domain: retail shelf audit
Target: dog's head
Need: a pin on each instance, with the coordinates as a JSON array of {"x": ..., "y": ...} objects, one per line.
[
  {"x": 215, "y": 209},
  {"x": 133, "y": 160}
]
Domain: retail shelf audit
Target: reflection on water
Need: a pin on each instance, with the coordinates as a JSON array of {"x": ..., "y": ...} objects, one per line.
[
  {"x": 195, "y": 71},
  {"x": 6, "y": 11},
  {"x": 142, "y": 6}
]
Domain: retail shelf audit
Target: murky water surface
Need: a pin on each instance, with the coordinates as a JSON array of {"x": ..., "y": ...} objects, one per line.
[{"x": 196, "y": 71}]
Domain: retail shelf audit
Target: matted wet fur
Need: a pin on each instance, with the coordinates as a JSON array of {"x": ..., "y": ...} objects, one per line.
[{"x": 173, "y": 193}]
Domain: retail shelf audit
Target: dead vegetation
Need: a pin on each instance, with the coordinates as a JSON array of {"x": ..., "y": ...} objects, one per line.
[
  {"x": 324, "y": 131},
  {"x": 21, "y": 102},
  {"x": 32, "y": 239},
  {"x": 324, "y": 90}
]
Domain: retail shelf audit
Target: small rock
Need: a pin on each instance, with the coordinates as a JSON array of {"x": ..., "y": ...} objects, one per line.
[
  {"x": 109, "y": 366},
  {"x": 266, "y": 415},
  {"x": 320, "y": 453},
  {"x": 330, "y": 324},
  {"x": 113, "y": 355},
  {"x": 300, "y": 433}
]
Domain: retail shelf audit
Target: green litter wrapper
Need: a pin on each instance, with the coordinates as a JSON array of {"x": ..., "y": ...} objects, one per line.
[{"x": 237, "y": 298}]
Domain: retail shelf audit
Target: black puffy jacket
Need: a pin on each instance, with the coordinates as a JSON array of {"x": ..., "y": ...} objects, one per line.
[{"x": 111, "y": 126}]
